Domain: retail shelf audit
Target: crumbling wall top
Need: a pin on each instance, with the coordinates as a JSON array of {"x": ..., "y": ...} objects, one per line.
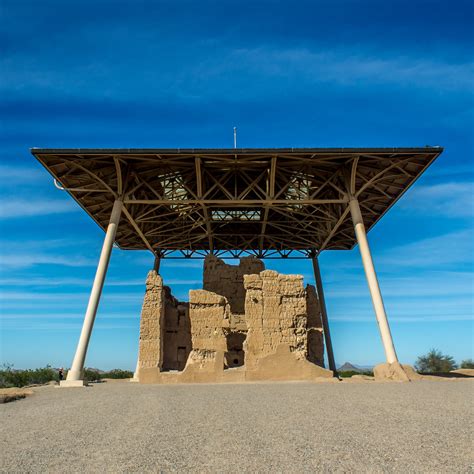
[{"x": 228, "y": 280}]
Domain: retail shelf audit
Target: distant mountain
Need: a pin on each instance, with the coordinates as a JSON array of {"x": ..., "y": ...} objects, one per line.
[
  {"x": 96, "y": 370},
  {"x": 348, "y": 367}
]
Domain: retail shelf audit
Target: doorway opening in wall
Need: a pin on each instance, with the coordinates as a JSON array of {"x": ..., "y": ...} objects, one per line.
[
  {"x": 176, "y": 337},
  {"x": 235, "y": 355}
]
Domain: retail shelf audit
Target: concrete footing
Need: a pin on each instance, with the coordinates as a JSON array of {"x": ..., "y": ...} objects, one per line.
[
  {"x": 395, "y": 372},
  {"x": 72, "y": 383}
]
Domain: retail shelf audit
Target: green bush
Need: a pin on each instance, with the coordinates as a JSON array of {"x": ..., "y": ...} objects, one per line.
[
  {"x": 10, "y": 377},
  {"x": 434, "y": 361},
  {"x": 92, "y": 375},
  {"x": 467, "y": 364},
  {"x": 117, "y": 374}
]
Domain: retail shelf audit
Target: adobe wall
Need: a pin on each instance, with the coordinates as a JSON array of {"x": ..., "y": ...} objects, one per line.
[
  {"x": 165, "y": 332},
  {"x": 275, "y": 311},
  {"x": 228, "y": 280},
  {"x": 177, "y": 335},
  {"x": 150, "y": 353},
  {"x": 208, "y": 315}
]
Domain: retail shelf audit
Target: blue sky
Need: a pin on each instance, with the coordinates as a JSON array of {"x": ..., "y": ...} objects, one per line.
[{"x": 182, "y": 74}]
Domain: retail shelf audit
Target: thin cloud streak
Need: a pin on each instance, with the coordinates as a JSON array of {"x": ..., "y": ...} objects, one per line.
[
  {"x": 452, "y": 199},
  {"x": 12, "y": 208},
  {"x": 40, "y": 326},
  {"x": 46, "y": 316},
  {"x": 25, "y": 260},
  {"x": 408, "y": 319},
  {"x": 452, "y": 248},
  {"x": 66, "y": 281},
  {"x": 339, "y": 66},
  {"x": 36, "y": 296},
  {"x": 20, "y": 174}
]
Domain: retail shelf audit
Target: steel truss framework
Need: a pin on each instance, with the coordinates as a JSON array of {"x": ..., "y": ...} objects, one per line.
[{"x": 290, "y": 203}]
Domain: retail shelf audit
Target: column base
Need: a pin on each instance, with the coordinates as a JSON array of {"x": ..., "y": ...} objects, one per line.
[
  {"x": 72, "y": 383},
  {"x": 395, "y": 372}
]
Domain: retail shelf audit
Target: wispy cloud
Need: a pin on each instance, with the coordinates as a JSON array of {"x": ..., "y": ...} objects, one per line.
[
  {"x": 26, "y": 325},
  {"x": 47, "y": 316},
  {"x": 20, "y": 174},
  {"x": 425, "y": 284},
  {"x": 13, "y": 208},
  {"x": 56, "y": 296},
  {"x": 75, "y": 282},
  {"x": 25, "y": 260},
  {"x": 342, "y": 66},
  {"x": 406, "y": 319},
  {"x": 456, "y": 308},
  {"x": 452, "y": 248},
  {"x": 24, "y": 254},
  {"x": 452, "y": 199}
]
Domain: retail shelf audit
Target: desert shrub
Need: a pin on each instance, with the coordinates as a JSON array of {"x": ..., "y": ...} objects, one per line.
[
  {"x": 434, "y": 361},
  {"x": 42, "y": 375},
  {"x": 92, "y": 375},
  {"x": 467, "y": 364},
  {"x": 9, "y": 377},
  {"x": 117, "y": 374},
  {"x": 12, "y": 378}
]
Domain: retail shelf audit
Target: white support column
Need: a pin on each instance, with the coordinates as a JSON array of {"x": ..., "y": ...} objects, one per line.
[
  {"x": 135, "y": 374},
  {"x": 371, "y": 276},
  {"x": 75, "y": 374}
]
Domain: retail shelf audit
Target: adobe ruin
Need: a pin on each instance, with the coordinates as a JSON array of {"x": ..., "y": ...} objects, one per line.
[{"x": 247, "y": 323}]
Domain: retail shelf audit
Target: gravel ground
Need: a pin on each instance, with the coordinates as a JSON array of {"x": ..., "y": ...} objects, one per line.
[{"x": 263, "y": 427}]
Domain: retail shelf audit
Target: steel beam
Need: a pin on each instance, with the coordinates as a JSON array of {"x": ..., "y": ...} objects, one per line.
[{"x": 156, "y": 264}]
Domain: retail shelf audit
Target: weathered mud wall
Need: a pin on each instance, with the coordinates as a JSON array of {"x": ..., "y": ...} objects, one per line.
[
  {"x": 209, "y": 315},
  {"x": 151, "y": 323},
  {"x": 228, "y": 280},
  {"x": 275, "y": 312},
  {"x": 165, "y": 333}
]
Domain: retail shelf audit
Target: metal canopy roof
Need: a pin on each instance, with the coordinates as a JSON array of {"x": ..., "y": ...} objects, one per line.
[{"x": 272, "y": 202}]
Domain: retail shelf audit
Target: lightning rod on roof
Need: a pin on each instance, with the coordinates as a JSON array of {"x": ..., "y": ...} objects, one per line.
[{"x": 235, "y": 137}]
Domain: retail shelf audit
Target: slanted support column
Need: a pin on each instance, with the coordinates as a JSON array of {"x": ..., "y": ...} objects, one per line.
[
  {"x": 75, "y": 374},
  {"x": 324, "y": 315},
  {"x": 135, "y": 374},
  {"x": 372, "y": 281}
]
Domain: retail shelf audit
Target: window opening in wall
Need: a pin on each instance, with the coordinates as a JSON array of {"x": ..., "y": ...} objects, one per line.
[{"x": 235, "y": 355}]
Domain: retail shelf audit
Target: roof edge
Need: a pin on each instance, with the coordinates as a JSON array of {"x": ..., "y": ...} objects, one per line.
[{"x": 123, "y": 151}]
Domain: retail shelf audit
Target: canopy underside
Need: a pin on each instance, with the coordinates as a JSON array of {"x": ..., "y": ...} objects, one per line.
[{"x": 262, "y": 202}]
